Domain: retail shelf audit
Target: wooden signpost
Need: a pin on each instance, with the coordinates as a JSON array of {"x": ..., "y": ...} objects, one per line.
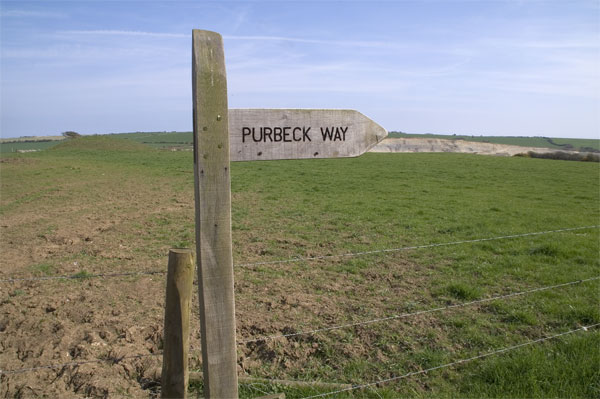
[
  {"x": 220, "y": 136},
  {"x": 213, "y": 216}
]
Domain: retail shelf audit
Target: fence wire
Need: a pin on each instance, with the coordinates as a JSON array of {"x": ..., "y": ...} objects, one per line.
[
  {"x": 111, "y": 360},
  {"x": 443, "y": 244},
  {"x": 295, "y": 259},
  {"x": 496, "y": 352},
  {"x": 404, "y": 315},
  {"x": 81, "y": 276}
]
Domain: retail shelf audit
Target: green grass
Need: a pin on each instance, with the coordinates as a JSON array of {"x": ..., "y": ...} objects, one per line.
[
  {"x": 160, "y": 139},
  {"x": 43, "y": 269},
  {"x": 539, "y": 371},
  {"x": 543, "y": 142},
  {"x": 17, "y": 292},
  {"x": 285, "y": 209},
  {"x": 83, "y": 274},
  {"x": 13, "y": 147}
]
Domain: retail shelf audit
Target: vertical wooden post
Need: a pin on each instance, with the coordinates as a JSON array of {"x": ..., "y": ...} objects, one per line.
[
  {"x": 180, "y": 276},
  {"x": 213, "y": 216}
]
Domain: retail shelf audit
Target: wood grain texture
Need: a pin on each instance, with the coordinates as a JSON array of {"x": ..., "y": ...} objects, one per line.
[
  {"x": 268, "y": 134},
  {"x": 213, "y": 216},
  {"x": 180, "y": 276}
]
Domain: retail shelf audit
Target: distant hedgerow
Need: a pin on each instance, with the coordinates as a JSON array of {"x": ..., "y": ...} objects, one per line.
[{"x": 564, "y": 156}]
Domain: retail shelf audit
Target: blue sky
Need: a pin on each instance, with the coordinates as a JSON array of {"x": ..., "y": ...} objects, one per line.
[{"x": 527, "y": 68}]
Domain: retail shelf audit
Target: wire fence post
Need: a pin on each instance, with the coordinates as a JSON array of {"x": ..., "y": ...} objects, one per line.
[
  {"x": 180, "y": 277},
  {"x": 213, "y": 216}
]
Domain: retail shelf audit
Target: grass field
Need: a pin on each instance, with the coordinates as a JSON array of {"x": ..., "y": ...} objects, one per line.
[{"x": 140, "y": 203}]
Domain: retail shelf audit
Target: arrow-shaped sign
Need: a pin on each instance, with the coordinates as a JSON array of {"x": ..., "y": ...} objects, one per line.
[{"x": 267, "y": 134}]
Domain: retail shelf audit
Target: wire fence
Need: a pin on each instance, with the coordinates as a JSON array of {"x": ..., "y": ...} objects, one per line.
[
  {"x": 455, "y": 363},
  {"x": 298, "y": 258},
  {"x": 435, "y": 245},
  {"x": 116, "y": 360},
  {"x": 422, "y": 312},
  {"x": 80, "y": 276}
]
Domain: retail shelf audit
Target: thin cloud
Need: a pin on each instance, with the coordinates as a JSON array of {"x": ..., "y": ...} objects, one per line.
[
  {"x": 346, "y": 43},
  {"x": 557, "y": 44},
  {"x": 125, "y": 33},
  {"x": 31, "y": 14}
]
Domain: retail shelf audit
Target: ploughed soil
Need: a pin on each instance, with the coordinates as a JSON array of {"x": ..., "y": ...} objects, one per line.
[{"x": 103, "y": 336}]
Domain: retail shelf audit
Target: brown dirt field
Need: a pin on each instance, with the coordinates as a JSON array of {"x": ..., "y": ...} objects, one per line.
[{"x": 61, "y": 321}]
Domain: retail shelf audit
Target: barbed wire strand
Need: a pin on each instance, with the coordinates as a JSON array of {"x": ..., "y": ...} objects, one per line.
[
  {"x": 311, "y": 258},
  {"x": 496, "y": 352},
  {"x": 117, "y": 360},
  {"x": 296, "y": 259},
  {"x": 113, "y": 360},
  {"x": 84, "y": 276},
  {"x": 404, "y": 315}
]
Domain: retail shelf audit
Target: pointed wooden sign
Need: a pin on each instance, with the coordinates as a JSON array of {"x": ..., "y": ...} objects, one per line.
[{"x": 267, "y": 134}]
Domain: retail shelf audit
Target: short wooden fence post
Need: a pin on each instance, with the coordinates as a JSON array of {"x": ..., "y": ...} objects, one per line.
[{"x": 180, "y": 277}]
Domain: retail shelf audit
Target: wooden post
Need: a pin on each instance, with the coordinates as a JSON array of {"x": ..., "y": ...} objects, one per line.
[
  {"x": 213, "y": 215},
  {"x": 180, "y": 276}
]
